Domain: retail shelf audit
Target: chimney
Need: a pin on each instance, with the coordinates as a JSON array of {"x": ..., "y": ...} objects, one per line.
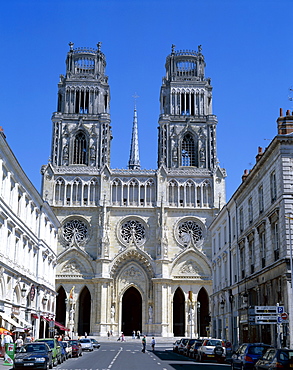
[
  {"x": 245, "y": 174},
  {"x": 285, "y": 123},
  {"x": 259, "y": 154}
]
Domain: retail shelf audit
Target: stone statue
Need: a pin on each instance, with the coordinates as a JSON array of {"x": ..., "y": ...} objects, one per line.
[{"x": 150, "y": 313}]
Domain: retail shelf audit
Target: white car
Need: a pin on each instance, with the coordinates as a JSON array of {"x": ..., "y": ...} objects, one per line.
[
  {"x": 86, "y": 344},
  {"x": 212, "y": 349}
]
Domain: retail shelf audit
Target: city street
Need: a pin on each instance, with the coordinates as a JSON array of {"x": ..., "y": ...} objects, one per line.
[{"x": 120, "y": 356}]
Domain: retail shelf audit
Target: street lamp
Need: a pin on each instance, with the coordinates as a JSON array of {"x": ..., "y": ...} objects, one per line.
[{"x": 23, "y": 291}]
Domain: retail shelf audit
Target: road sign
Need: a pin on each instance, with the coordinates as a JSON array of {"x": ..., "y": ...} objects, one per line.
[
  {"x": 284, "y": 316},
  {"x": 280, "y": 309},
  {"x": 266, "y": 319},
  {"x": 265, "y": 309}
]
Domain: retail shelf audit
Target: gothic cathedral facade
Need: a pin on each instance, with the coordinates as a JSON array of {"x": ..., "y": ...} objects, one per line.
[{"x": 134, "y": 251}]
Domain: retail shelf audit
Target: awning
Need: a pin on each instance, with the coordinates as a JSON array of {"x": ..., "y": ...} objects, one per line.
[
  {"x": 5, "y": 331},
  {"x": 9, "y": 319},
  {"x": 34, "y": 316},
  {"x": 61, "y": 327},
  {"x": 46, "y": 318}
]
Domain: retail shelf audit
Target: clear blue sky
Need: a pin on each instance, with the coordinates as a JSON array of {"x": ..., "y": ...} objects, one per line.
[{"x": 247, "y": 46}]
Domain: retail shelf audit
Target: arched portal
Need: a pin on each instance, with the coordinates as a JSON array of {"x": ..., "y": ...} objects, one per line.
[
  {"x": 84, "y": 312},
  {"x": 131, "y": 311},
  {"x": 203, "y": 312},
  {"x": 61, "y": 306},
  {"x": 178, "y": 313}
]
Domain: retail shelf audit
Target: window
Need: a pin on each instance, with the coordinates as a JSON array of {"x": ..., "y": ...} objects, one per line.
[
  {"x": 275, "y": 238},
  {"x": 80, "y": 149},
  {"x": 251, "y": 253},
  {"x": 273, "y": 185},
  {"x": 262, "y": 242},
  {"x": 241, "y": 220},
  {"x": 260, "y": 199},
  {"x": 187, "y": 152},
  {"x": 250, "y": 210}
]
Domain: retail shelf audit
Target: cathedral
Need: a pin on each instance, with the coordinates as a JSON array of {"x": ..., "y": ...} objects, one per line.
[{"x": 134, "y": 252}]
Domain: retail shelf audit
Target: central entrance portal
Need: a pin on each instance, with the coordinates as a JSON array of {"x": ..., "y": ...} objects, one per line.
[{"x": 131, "y": 311}]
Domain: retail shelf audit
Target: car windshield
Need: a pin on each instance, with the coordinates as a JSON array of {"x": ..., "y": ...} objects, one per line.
[
  {"x": 34, "y": 348},
  {"x": 256, "y": 350},
  {"x": 85, "y": 340},
  {"x": 73, "y": 342},
  {"x": 213, "y": 342}
]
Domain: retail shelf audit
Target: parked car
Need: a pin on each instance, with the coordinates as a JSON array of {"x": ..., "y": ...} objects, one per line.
[
  {"x": 35, "y": 355},
  {"x": 187, "y": 346},
  {"x": 96, "y": 344},
  {"x": 55, "y": 347},
  {"x": 68, "y": 348},
  {"x": 274, "y": 358},
  {"x": 194, "y": 347},
  {"x": 247, "y": 354},
  {"x": 175, "y": 345},
  {"x": 182, "y": 344},
  {"x": 76, "y": 348},
  {"x": 86, "y": 344},
  {"x": 213, "y": 349}
]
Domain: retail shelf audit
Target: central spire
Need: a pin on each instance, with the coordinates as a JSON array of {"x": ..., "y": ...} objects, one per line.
[{"x": 134, "y": 162}]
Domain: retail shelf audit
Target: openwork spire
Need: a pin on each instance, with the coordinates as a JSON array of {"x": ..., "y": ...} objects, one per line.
[{"x": 134, "y": 162}]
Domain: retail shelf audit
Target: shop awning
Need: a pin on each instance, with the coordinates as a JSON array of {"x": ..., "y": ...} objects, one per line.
[
  {"x": 9, "y": 319},
  {"x": 34, "y": 316},
  {"x": 61, "y": 327},
  {"x": 46, "y": 318},
  {"x": 4, "y": 331}
]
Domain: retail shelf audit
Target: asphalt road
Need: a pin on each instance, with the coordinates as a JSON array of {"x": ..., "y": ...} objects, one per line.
[{"x": 128, "y": 356}]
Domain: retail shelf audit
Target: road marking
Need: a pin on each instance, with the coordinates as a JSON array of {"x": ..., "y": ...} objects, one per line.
[{"x": 114, "y": 359}]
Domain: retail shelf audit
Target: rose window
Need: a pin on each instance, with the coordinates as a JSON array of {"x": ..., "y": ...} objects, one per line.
[
  {"x": 133, "y": 231},
  {"x": 189, "y": 232},
  {"x": 75, "y": 232}
]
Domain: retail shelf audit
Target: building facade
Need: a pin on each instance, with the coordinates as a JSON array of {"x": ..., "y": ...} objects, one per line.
[
  {"x": 252, "y": 248},
  {"x": 28, "y": 251},
  {"x": 133, "y": 248}
]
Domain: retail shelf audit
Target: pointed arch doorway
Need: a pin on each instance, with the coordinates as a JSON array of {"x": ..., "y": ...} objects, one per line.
[
  {"x": 178, "y": 313},
  {"x": 84, "y": 312},
  {"x": 131, "y": 311},
  {"x": 203, "y": 312}
]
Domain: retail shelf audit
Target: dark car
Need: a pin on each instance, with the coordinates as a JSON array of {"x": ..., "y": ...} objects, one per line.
[
  {"x": 76, "y": 348},
  {"x": 182, "y": 344},
  {"x": 68, "y": 348},
  {"x": 55, "y": 347},
  {"x": 96, "y": 344},
  {"x": 175, "y": 345},
  {"x": 192, "y": 353},
  {"x": 187, "y": 346},
  {"x": 247, "y": 354},
  {"x": 274, "y": 358},
  {"x": 36, "y": 355}
]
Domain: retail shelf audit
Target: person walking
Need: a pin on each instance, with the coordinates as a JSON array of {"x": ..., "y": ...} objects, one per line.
[
  {"x": 19, "y": 342},
  {"x": 153, "y": 343},
  {"x": 143, "y": 342}
]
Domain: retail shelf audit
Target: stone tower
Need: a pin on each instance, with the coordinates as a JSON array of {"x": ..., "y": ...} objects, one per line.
[
  {"x": 81, "y": 125},
  {"x": 134, "y": 251}
]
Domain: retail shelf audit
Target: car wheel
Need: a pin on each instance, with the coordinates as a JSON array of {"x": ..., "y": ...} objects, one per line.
[{"x": 55, "y": 362}]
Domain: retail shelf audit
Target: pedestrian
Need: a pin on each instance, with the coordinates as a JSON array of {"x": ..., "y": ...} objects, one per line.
[
  {"x": 19, "y": 342},
  {"x": 122, "y": 337},
  {"x": 153, "y": 342},
  {"x": 28, "y": 338},
  {"x": 143, "y": 342},
  {"x": 111, "y": 332},
  {"x": 6, "y": 340},
  {"x": 133, "y": 334},
  {"x": 138, "y": 334},
  {"x": 108, "y": 334}
]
